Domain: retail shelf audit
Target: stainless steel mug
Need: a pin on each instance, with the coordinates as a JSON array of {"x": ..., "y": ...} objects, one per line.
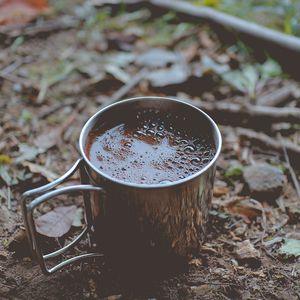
[{"x": 131, "y": 221}]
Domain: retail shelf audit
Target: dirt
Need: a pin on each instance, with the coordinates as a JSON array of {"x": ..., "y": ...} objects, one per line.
[{"x": 59, "y": 78}]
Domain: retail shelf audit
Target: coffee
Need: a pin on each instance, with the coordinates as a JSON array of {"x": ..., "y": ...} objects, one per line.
[{"x": 149, "y": 147}]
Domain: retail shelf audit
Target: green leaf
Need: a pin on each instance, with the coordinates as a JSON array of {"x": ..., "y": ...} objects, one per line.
[
  {"x": 270, "y": 68},
  {"x": 5, "y": 176},
  {"x": 209, "y": 64},
  {"x": 291, "y": 247},
  {"x": 234, "y": 172}
]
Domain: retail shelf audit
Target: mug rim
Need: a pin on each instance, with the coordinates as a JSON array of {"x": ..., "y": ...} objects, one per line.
[{"x": 87, "y": 125}]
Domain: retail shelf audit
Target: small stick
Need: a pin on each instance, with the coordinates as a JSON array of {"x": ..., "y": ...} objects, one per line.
[
  {"x": 54, "y": 108},
  {"x": 277, "y": 97},
  {"x": 267, "y": 142},
  {"x": 8, "y": 198},
  {"x": 63, "y": 23},
  {"x": 291, "y": 170},
  {"x": 232, "y": 112},
  {"x": 126, "y": 88}
]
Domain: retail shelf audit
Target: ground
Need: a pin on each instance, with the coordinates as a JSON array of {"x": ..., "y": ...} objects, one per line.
[{"x": 59, "y": 70}]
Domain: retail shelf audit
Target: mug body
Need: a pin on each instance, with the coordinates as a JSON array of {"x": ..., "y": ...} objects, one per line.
[{"x": 151, "y": 223}]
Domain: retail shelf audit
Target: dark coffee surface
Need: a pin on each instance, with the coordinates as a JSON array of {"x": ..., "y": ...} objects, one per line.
[{"x": 149, "y": 148}]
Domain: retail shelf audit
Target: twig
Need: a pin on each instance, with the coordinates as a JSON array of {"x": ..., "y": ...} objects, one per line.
[
  {"x": 264, "y": 219},
  {"x": 256, "y": 116},
  {"x": 16, "y": 64},
  {"x": 277, "y": 97},
  {"x": 125, "y": 89},
  {"x": 63, "y": 23},
  {"x": 267, "y": 142},
  {"x": 54, "y": 108},
  {"x": 8, "y": 198},
  {"x": 291, "y": 170}
]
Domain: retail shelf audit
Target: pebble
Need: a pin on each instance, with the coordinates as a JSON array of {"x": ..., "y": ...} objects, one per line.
[
  {"x": 265, "y": 182},
  {"x": 247, "y": 254}
]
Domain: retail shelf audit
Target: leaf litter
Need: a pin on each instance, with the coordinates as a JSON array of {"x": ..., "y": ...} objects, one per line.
[{"x": 104, "y": 52}]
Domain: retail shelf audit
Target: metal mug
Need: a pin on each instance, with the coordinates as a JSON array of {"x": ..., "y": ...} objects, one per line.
[{"x": 129, "y": 219}]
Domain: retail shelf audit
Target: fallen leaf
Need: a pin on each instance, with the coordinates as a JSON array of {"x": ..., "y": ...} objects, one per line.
[
  {"x": 291, "y": 247},
  {"x": 244, "y": 80},
  {"x": 246, "y": 208},
  {"x": 246, "y": 253},
  {"x": 220, "y": 191},
  {"x": 34, "y": 168},
  {"x": 5, "y": 175},
  {"x": 157, "y": 57},
  {"x": 27, "y": 153},
  {"x": 21, "y": 11},
  {"x": 57, "y": 222},
  {"x": 5, "y": 159},
  {"x": 117, "y": 72},
  {"x": 209, "y": 65},
  {"x": 177, "y": 74},
  {"x": 78, "y": 217},
  {"x": 270, "y": 68},
  {"x": 49, "y": 139}
]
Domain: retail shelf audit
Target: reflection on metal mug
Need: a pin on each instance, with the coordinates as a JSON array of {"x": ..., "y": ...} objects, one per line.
[{"x": 133, "y": 221}]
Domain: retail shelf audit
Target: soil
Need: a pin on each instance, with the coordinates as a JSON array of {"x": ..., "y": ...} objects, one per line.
[{"x": 53, "y": 81}]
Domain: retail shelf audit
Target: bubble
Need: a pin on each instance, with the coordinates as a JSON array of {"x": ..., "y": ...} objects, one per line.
[
  {"x": 183, "y": 142},
  {"x": 165, "y": 181},
  {"x": 145, "y": 126},
  {"x": 140, "y": 133},
  {"x": 150, "y": 132},
  {"x": 123, "y": 169},
  {"x": 160, "y": 128},
  {"x": 196, "y": 161},
  {"x": 205, "y": 160},
  {"x": 206, "y": 153},
  {"x": 160, "y": 134},
  {"x": 189, "y": 149}
]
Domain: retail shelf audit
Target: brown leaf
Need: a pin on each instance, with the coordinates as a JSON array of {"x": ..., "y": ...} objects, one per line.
[
  {"x": 246, "y": 252},
  {"x": 57, "y": 222},
  {"x": 34, "y": 168},
  {"x": 21, "y": 11},
  {"x": 244, "y": 207},
  {"x": 49, "y": 139},
  {"x": 220, "y": 191}
]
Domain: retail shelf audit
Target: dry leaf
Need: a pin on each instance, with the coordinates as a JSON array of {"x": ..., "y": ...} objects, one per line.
[
  {"x": 246, "y": 252},
  {"x": 220, "y": 191},
  {"x": 244, "y": 207},
  {"x": 48, "y": 140},
  {"x": 57, "y": 222},
  {"x": 21, "y": 11},
  {"x": 34, "y": 168}
]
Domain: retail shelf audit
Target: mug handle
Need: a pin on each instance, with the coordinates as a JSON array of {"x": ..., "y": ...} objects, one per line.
[{"x": 28, "y": 209}]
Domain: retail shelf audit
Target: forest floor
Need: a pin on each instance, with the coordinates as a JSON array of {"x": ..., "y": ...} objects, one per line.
[{"x": 58, "y": 70}]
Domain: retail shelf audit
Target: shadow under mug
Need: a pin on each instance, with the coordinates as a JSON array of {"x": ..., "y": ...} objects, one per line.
[{"x": 134, "y": 223}]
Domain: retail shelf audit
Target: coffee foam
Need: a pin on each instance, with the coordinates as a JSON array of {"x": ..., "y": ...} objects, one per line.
[{"x": 149, "y": 148}]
